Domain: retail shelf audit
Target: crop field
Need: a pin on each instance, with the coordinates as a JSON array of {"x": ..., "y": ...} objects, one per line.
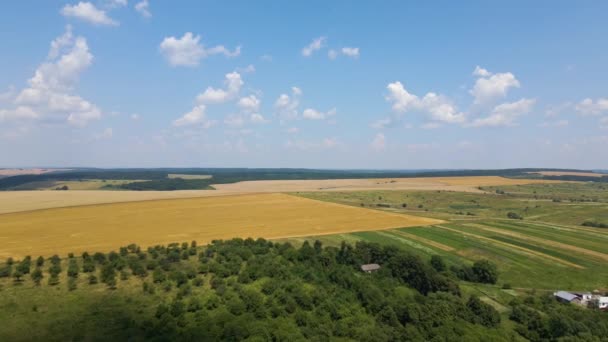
[
  {"x": 465, "y": 184},
  {"x": 15, "y": 201},
  {"x": 106, "y": 227},
  {"x": 528, "y": 255},
  {"x": 548, "y": 249}
]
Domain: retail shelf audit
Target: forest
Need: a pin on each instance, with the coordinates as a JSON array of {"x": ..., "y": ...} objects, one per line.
[{"x": 258, "y": 290}]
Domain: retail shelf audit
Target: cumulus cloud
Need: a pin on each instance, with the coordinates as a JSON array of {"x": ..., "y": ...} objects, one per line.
[
  {"x": 350, "y": 52},
  {"x": 313, "y": 114},
  {"x": 49, "y": 94},
  {"x": 505, "y": 114},
  {"x": 591, "y": 107},
  {"x": 249, "y": 104},
  {"x": 286, "y": 106},
  {"x": 437, "y": 108},
  {"x": 143, "y": 8},
  {"x": 196, "y": 117},
  {"x": 233, "y": 84},
  {"x": 379, "y": 142},
  {"x": 86, "y": 11},
  {"x": 490, "y": 87},
  {"x": 188, "y": 50},
  {"x": 315, "y": 45}
]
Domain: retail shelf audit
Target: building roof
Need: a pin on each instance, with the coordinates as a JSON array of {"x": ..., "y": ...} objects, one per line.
[
  {"x": 370, "y": 267},
  {"x": 565, "y": 295}
]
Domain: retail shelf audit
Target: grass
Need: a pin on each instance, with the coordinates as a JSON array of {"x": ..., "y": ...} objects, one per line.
[
  {"x": 84, "y": 184},
  {"x": 547, "y": 250},
  {"x": 106, "y": 227}
]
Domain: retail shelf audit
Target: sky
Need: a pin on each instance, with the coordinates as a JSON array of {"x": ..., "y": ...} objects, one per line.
[{"x": 312, "y": 84}]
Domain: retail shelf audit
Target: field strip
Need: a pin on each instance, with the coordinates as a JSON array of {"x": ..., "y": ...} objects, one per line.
[
  {"x": 408, "y": 242},
  {"x": 595, "y": 232},
  {"x": 564, "y": 246},
  {"x": 424, "y": 240},
  {"x": 512, "y": 246},
  {"x": 108, "y": 226}
]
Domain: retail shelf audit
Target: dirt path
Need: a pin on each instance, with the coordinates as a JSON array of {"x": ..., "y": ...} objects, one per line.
[{"x": 512, "y": 246}]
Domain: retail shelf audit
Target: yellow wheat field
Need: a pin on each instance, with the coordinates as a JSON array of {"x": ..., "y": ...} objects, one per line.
[{"x": 109, "y": 226}]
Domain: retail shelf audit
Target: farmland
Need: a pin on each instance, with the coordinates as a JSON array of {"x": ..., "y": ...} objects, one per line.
[
  {"x": 549, "y": 249},
  {"x": 14, "y": 201},
  {"x": 176, "y": 289},
  {"x": 106, "y": 227}
]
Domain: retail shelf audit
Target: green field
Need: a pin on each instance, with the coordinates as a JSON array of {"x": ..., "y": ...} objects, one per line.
[{"x": 548, "y": 249}]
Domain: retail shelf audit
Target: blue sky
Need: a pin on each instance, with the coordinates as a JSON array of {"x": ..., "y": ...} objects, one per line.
[{"x": 318, "y": 84}]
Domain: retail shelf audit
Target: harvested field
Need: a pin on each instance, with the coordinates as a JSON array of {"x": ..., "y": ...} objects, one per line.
[
  {"x": 15, "y": 201},
  {"x": 107, "y": 227},
  {"x": 18, "y": 172},
  {"x": 467, "y": 184},
  {"x": 566, "y": 173}
]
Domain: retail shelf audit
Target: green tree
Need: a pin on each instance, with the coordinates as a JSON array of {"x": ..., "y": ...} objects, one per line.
[
  {"x": 485, "y": 272},
  {"x": 37, "y": 276},
  {"x": 438, "y": 263}
]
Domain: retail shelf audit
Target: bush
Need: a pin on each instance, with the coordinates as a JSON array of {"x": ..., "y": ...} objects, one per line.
[
  {"x": 594, "y": 224},
  {"x": 514, "y": 216}
]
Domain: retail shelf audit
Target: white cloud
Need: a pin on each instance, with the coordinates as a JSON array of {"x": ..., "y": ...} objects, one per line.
[
  {"x": 287, "y": 106},
  {"x": 257, "y": 118},
  {"x": 604, "y": 122},
  {"x": 556, "y": 110},
  {"x": 489, "y": 86},
  {"x": 379, "y": 142},
  {"x": 143, "y": 8},
  {"x": 436, "y": 107},
  {"x": 313, "y": 114},
  {"x": 250, "y": 104},
  {"x": 48, "y": 96},
  {"x": 292, "y": 130},
  {"x": 481, "y": 72},
  {"x": 233, "y": 84},
  {"x": 350, "y": 52},
  {"x": 20, "y": 113},
  {"x": 188, "y": 51},
  {"x": 591, "y": 107},
  {"x": 86, "y": 11},
  {"x": 315, "y": 45},
  {"x": 135, "y": 117},
  {"x": 505, "y": 114},
  {"x": 196, "y": 117}
]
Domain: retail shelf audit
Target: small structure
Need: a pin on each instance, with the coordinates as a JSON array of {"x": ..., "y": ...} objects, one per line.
[
  {"x": 369, "y": 268},
  {"x": 602, "y": 303},
  {"x": 567, "y": 297}
]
